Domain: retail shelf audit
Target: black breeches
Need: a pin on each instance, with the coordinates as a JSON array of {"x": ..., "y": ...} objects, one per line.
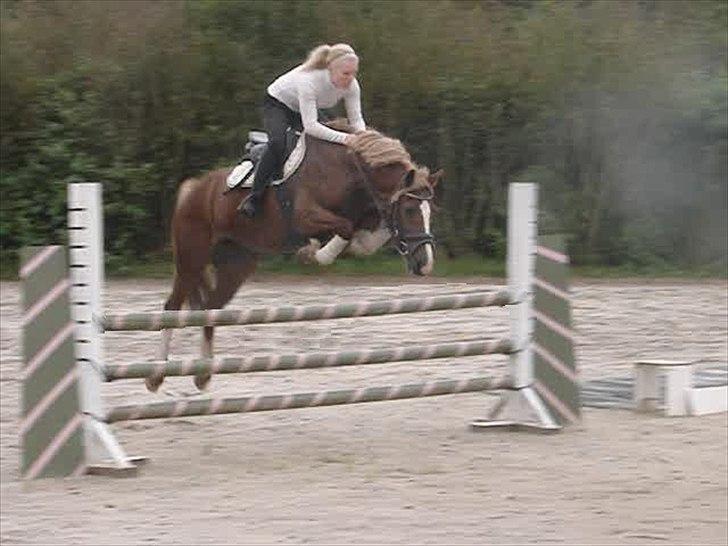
[{"x": 277, "y": 118}]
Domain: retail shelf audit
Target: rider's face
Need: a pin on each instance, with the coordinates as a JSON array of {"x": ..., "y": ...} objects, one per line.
[{"x": 343, "y": 71}]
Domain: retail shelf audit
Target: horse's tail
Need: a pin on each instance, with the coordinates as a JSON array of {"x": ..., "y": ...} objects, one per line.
[
  {"x": 183, "y": 193},
  {"x": 180, "y": 284}
]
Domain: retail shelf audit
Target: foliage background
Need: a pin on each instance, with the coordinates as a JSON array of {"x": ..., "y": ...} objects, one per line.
[{"x": 619, "y": 109}]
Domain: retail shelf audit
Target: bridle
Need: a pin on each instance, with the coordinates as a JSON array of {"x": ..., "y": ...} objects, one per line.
[{"x": 407, "y": 242}]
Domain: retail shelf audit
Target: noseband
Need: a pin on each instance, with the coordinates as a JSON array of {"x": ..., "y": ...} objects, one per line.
[{"x": 406, "y": 243}]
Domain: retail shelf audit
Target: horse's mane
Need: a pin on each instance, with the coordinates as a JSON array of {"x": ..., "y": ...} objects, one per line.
[{"x": 375, "y": 149}]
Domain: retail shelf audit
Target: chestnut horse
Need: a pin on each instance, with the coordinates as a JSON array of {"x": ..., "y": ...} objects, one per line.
[{"x": 355, "y": 197}]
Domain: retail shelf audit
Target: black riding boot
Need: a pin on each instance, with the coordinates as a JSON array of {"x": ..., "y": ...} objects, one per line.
[{"x": 267, "y": 168}]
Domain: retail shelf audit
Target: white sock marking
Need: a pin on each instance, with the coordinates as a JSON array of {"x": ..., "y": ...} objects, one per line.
[{"x": 327, "y": 254}]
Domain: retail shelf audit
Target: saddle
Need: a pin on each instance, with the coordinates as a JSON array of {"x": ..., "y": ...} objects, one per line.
[{"x": 243, "y": 173}]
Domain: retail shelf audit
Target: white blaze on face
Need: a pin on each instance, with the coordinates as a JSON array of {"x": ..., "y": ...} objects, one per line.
[{"x": 425, "y": 209}]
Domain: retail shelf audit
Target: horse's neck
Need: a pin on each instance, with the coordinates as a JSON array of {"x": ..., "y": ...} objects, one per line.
[
  {"x": 335, "y": 161},
  {"x": 384, "y": 181},
  {"x": 379, "y": 183},
  {"x": 366, "y": 179}
]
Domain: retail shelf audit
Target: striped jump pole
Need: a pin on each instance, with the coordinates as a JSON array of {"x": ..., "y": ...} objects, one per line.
[
  {"x": 215, "y": 406},
  {"x": 197, "y": 366},
  {"x": 225, "y": 317}
]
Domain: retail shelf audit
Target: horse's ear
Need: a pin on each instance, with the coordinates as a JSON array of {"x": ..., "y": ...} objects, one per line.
[
  {"x": 409, "y": 178},
  {"x": 435, "y": 177}
]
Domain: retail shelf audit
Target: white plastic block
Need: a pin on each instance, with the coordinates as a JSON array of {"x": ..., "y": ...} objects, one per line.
[{"x": 706, "y": 400}]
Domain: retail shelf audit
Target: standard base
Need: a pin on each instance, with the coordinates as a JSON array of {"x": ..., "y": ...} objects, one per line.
[
  {"x": 106, "y": 457},
  {"x": 129, "y": 469},
  {"x": 519, "y": 409}
]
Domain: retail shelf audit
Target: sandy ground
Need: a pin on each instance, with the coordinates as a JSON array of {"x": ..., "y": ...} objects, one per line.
[{"x": 407, "y": 472}]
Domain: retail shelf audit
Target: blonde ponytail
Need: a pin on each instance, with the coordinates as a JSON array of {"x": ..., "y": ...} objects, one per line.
[
  {"x": 317, "y": 59},
  {"x": 323, "y": 55}
]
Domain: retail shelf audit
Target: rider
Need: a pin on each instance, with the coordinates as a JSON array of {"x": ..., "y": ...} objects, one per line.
[{"x": 293, "y": 100}]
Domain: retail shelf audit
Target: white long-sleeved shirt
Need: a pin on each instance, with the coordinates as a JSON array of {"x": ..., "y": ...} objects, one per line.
[{"x": 305, "y": 91}]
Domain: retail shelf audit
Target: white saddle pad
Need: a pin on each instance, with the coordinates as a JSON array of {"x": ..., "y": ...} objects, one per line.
[{"x": 244, "y": 169}]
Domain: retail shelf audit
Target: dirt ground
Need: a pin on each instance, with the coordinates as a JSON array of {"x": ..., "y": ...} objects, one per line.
[{"x": 406, "y": 472}]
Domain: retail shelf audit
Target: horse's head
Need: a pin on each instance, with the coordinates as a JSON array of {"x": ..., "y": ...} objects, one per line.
[
  {"x": 409, "y": 217},
  {"x": 403, "y": 192}
]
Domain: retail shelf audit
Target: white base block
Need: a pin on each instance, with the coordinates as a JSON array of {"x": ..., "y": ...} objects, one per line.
[
  {"x": 706, "y": 400},
  {"x": 678, "y": 383},
  {"x": 681, "y": 398}
]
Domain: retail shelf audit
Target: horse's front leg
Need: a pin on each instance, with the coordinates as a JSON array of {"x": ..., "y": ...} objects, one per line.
[
  {"x": 322, "y": 221},
  {"x": 366, "y": 242},
  {"x": 314, "y": 253}
]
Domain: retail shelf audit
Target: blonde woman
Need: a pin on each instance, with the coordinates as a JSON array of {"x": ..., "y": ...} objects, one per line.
[{"x": 327, "y": 76}]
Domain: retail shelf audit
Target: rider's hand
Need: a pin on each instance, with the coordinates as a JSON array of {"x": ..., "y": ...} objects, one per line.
[{"x": 349, "y": 140}]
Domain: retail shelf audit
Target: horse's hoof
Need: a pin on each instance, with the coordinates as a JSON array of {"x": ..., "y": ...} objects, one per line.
[
  {"x": 307, "y": 254},
  {"x": 202, "y": 381},
  {"x": 153, "y": 383}
]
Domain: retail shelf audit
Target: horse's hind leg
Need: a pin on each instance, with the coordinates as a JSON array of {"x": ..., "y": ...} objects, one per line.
[
  {"x": 174, "y": 303},
  {"x": 198, "y": 300},
  {"x": 188, "y": 281},
  {"x": 229, "y": 277}
]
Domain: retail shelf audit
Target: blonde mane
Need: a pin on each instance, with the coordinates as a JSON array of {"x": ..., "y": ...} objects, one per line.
[{"x": 377, "y": 150}]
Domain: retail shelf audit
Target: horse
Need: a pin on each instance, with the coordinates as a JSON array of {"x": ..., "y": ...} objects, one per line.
[{"x": 356, "y": 197}]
